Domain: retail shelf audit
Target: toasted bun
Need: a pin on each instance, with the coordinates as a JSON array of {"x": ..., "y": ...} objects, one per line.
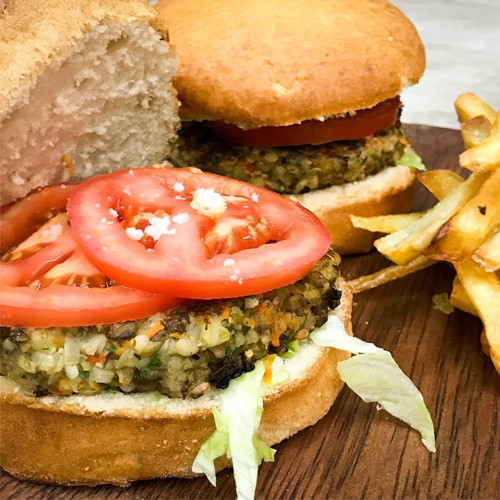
[
  {"x": 117, "y": 438},
  {"x": 388, "y": 192},
  {"x": 86, "y": 79},
  {"x": 280, "y": 62}
]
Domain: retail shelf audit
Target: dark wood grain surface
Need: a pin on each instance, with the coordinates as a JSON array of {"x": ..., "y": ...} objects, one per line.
[{"x": 357, "y": 451}]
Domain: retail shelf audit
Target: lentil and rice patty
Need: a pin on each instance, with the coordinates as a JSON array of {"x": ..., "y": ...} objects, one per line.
[
  {"x": 180, "y": 353},
  {"x": 291, "y": 169}
]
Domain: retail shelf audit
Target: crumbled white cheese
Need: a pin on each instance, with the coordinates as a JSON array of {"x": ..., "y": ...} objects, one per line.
[
  {"x": 255, "y": 197},
  {"x": 178, "y": 187},
  {"x": 158, "y": 227},
  {"x": 180, "y": 218},
  {"x": 229, "y": 262},
  {"x": 240, "y": 281},
  {"x": 131, "y": 172},
  {"x": 127, "y": 191},
  {"x": 104, "y": 220},
  {"x": 134, "y": 233},
  {"x": 52, "y": 232},
  {"x": 233, "y": 277},
  {"x": 208, "y": 202},
  {"x": 113, "y": 212}
]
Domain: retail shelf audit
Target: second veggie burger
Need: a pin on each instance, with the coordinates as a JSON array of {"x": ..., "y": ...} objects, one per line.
[{"x": 301, "y": 98}]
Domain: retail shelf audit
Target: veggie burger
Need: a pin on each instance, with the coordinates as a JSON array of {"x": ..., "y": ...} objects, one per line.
[
  {"x": 168, "y": 322},
  {"x": 300, "y": 97}
]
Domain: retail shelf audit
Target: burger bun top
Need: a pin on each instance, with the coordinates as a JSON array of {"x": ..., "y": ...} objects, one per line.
[{"x": 279, "y": 62}]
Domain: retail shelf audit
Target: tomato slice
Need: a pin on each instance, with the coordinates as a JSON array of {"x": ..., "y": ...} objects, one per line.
[
  {"x": 213, "y": 237},
  {"x": 21, "y": 218},
  {"x": 47, "y": 281},
  {"x": 364, "y": 123}
]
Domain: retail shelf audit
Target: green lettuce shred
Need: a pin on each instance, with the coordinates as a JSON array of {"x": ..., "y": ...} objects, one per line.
[
  {"x": 292, "y": 349},
  {"x": 280, "y": 374},
  {"x": 374, "y": 376},
  {"x": 236, "y": 423},
  {"x": 411, "y": 159}
]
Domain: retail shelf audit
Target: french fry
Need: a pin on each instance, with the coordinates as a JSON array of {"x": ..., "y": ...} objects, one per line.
[
  {"x": 385, "y": 223},
  {"x": 468, "y": 228},
  {"x": 484, "y": 344},
  {"x": 440, "y": 182},
  {"x": 488, "y": 254},
  {"x": 484, "y": 156},
  {"x": 460, "y": 299},
  {"x": 483, "y": 290},
  {"x": 496, "y": 125},
  {"x": 389, "y": 274},
  {"x": 469, "y": 105},
  {"x": 405, "y": 245},
  {"x": 475, "y": 131}
]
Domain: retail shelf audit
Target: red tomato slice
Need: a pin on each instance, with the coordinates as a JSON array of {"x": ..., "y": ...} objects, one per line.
[
  {"x": 47, "y": 281},
  {"x": 195, "y": 253},
  {"x": 23, "y": 217},
  {"x": 364, "y": 123}
]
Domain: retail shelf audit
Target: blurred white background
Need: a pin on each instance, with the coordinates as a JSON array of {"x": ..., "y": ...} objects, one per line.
[{"x": 462, "y": 41}]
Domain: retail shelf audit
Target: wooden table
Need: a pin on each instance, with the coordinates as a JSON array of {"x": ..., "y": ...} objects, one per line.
[{"x": 356, "y": 451}]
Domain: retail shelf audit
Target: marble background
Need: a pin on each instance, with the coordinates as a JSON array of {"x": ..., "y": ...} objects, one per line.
[{"x": 462, "y": 40}]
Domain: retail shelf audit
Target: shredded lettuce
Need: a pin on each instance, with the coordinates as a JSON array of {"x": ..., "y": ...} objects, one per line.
[
  {"x": 292, "y": 349},
  {"x": 374, "y": 376},
  {"x": 411, "y": 159},
  {"x": 280, "y": 374},
  {"x": 333, "y": 334},
  {"x": 236, "y": 424}
]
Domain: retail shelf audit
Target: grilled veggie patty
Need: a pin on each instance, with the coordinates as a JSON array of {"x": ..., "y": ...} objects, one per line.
[
  {"x": 180, "y": 353},
  {"x": 292, "y": 169}
]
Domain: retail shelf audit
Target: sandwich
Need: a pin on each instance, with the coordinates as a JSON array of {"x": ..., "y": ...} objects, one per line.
[
  {"x": 85, "y": 88},
  {"x": 165, "y": 322},
  {"x": 154, "y": 322},
  {"x": 300, "y": 97}
]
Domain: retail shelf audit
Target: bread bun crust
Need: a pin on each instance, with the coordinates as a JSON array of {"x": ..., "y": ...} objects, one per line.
[
  {"x": 24, "y": 54},
  {"x": 390, "y": 191},
  {"x": 123, "y": 438},
  {"x": 285, "y": 61}
]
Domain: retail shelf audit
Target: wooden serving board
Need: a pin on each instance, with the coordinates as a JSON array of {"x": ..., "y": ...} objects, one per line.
[{"x": 357, "y": 451}]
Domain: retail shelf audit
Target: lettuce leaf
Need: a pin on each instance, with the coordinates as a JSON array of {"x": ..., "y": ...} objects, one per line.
[
  {"x": 411, "y": 159},
  {"x": 374, "y": 376},
  {"x": 293, "y": 348},
  {"x": 280, "y": 374},
  {"x": 236, "y": 424}
]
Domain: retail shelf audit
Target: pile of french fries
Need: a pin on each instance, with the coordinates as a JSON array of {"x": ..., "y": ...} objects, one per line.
[{"x": 463, "y": 228}]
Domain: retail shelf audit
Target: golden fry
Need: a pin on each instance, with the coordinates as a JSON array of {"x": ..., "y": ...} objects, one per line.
[
  {"x": 468, "y": 228},
  {"x": 385, "y": 223},
  {"x": 488, "y": 254},
  {"x": 484, "y": 344},
  {"x": 484, "y": 156},
  {"x": 440, "y": 182},
  {"x": 483, "y": 290},
  {"x": 475, "y": 131},
  {"x": 389, "y": 274},
  {"x": 469, "y": 105},
  {"x": 405, "y": 245},
  {"x": 460, "y": 299}
]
